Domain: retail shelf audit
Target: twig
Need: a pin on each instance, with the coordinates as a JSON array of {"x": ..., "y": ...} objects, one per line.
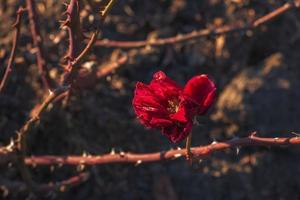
[
  {"x": 111, "y": 66},
  {"x": 200, "y": 33},
  {"x": 18, "y": 187},
  {"x": 38, "y": 43},
  {"x": 71, "y": 70},
  {"x": 72, "y": 23},
  {"x": 22, "y": 133},
  {"x": 122, "y": 157},
  {"x": 16, "y": 26}
]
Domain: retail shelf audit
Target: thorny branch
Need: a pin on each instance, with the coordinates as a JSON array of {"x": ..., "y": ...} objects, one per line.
[
  {"x": 16, "y": 26},
  {"x": 22, "y": 134},
  {"x": 17, "y": 187},
  {"x": 185, "y": 38},
  {"x": 199, "y": 152},
  {"x": 74, "y": 60},
  {"x": 38, "y": 43},
  {"x": 73, "y": 25}
]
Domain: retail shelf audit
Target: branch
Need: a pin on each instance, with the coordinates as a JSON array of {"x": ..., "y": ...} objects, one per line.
[
  {"x": 38, "y": 43},
  {"x": 16, "y": 26},
  {"x": 200, "y": 33},
  {"x": 200, "y": 152},
  {"x": 22, "y": 135},
  {"x": 72, "y": 23},
  {"x": 72, "y": 70},
  {"x": 19, "y": 187}
]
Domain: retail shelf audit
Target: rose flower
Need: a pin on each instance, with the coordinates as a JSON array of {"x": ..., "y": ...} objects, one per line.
[{"x": 165, "y": 105}]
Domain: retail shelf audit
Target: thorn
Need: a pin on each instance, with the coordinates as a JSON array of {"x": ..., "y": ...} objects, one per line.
[
  {"x": 253, "y": 134},
  {"x": 80, "y": 167},
  {"x": 84, "y": 154},
  {"x": 112, "y": 152},
  {"x": 64, "y": 13},
  {"x": 65, "y": 23},
  {"x": 296, "y": 134},
  {"x": 177, "y": 155},
  {"x": 138, "y": 163},
  {"x": 50, "y": 92},
  {"x": 122, "y": 153},
  {"x": 11, "y": 145},
  {"x": 237, "y": 150},
  {"x": 214, "y": 142}
]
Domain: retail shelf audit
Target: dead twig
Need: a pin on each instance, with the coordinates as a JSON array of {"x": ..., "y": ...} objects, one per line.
[
  {"x": 17, "y": 27},
  {"x": 38, "y": 43},
  {"x": 22, "y": 134},
  {"x": 18, "y": 187},
  {"x": 200, "y": 33}
]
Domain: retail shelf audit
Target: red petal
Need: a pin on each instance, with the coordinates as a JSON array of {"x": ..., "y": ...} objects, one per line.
[
  {"x": 183, "y": 114},
  {"x": 201, "y": 90},
  {"x": 177, "y": 133},
  {"x": 157, "y": 122}
]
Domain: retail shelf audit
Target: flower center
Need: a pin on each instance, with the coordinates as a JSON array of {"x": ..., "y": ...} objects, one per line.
[{"x": 173, "y": 105}]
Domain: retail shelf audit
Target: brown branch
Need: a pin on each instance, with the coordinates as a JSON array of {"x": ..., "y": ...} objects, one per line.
[
  {"x": 200, "y": 152},
  {"x": 72, "y": 23},
  {"x": 200, "y": 33},
  {"x": 18, "y": 187},
  {"x": 72, "y": 70},
  {"x": 16, "y": 26},
  {"x": 111, "y": 66},
  {"x": 22, "y": 135},
  {"x": 38, "y": 43}
]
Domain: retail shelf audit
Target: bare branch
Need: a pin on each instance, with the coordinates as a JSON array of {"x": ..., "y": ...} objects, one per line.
[
  {"x": 18, "y": 187},
  {"x": 185, "y": 38},
  {"x": 16, "y": 26},
  {"x": 122, "y": 157},
  {"x": 38, "y": 43}
]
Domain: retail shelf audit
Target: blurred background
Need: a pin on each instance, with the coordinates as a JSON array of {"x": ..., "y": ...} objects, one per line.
[{"x": 257, "y": 76}]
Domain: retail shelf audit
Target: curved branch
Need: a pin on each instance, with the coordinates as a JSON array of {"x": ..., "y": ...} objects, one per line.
[
  {"x": 200, "y": 33},
  {"x": 201, "y": 152},
  {"x": 16, "y": 26},
  {"x": 43, "y": 189},
  {"x": 38, "y": 43}
]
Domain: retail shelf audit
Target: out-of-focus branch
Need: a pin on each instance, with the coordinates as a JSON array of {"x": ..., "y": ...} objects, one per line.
[
  {"x": 18, "y": 187},
  {"x": 38, "y": 43},
  {"x": 185, "y": 38},
  {"x": 16, "y": 26},
  {"x": 199, "y": 152}
]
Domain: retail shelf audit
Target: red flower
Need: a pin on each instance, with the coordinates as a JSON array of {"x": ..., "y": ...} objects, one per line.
[{"x": 167, "y": 106}]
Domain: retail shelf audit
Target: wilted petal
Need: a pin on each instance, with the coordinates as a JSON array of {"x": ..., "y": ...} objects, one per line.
[{"x": 177, "y": 133}]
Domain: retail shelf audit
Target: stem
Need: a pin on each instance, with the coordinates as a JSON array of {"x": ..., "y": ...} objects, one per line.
[
  {"x": 122, "y": 157},
  {"x": 185, "y": 38},
  {"x": 22, "y": 135},
  {"x": 38, "y": 43},
  {"x": 43, "y": 189},
  {"x": 16, "y": 26},
  {"x": 189, "y": 154}
]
